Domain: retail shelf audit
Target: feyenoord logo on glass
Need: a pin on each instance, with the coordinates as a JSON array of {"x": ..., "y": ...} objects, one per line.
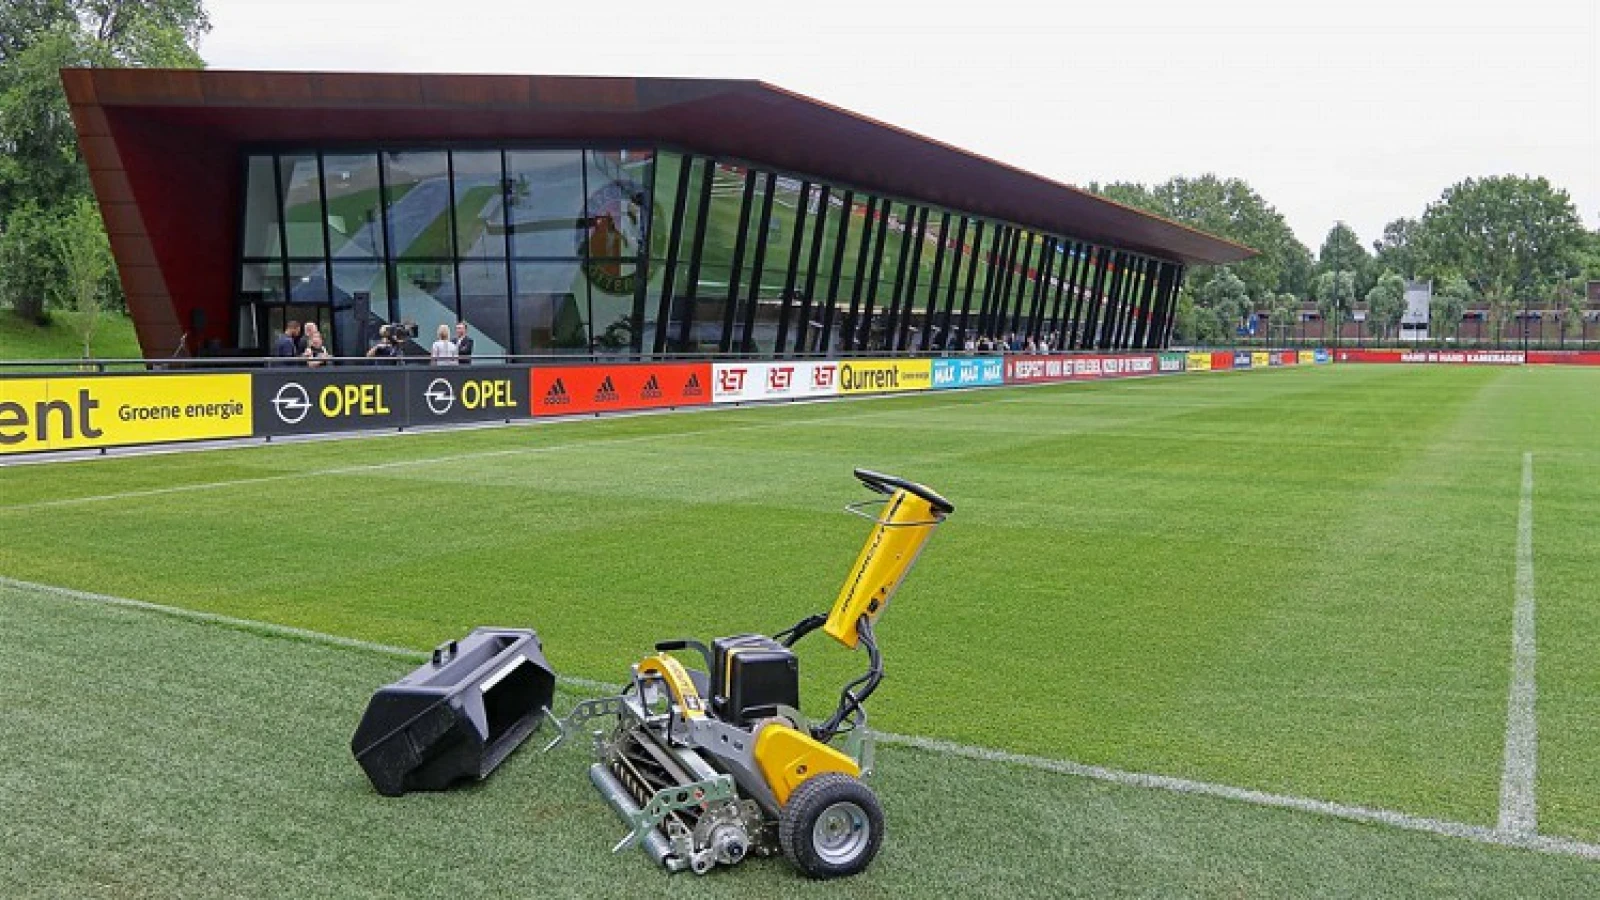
[{"x": 616, "y": 225}]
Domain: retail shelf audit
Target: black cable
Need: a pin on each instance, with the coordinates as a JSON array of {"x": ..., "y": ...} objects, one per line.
[{"x": 849, "y": 700}]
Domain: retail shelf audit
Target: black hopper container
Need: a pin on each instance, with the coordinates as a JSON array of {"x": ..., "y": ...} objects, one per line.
[{"x": 457, "y": 716}]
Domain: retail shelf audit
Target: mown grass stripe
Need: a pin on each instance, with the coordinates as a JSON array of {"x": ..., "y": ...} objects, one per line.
[{"x": 1369, "y": 815}]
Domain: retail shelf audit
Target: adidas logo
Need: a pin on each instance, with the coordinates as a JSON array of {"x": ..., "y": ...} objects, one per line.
[
  {"x": 607, "y": 392},
  {"x": 557, "y": 395},
  {"x": 693, "y": 389},
  {"x": 652, "y": 389}
]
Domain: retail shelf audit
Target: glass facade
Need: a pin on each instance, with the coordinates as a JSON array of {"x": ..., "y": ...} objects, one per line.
[{"x": 642, "y": 252}]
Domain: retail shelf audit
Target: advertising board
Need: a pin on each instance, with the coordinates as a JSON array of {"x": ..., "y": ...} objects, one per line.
[
  {"x": 466, "y": 394},
  {"x": 1041, "y": 369},
  {"x": 320, "y": 401},
  {"x": 1243, "y": 359},
  {"x": 64, "y": 413},
  {"x": 1222, "y": 360},
  {"x": 981, "y": 371},
  {"x": 1260, "y": 360},
  {"x": 565, "y": 390},
  {"x": 1199, "y": 362},
  {"x": 877, "y": 376},
  {"x": 751, "y": 382},
  {"x": 1172, "y": 362}
]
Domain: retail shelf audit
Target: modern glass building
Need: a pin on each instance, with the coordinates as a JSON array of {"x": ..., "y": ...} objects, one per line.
[{"x": 594, "y": 216}]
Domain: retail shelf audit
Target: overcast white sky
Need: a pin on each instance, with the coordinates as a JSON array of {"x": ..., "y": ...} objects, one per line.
[{"x": 1360, "y": 110}]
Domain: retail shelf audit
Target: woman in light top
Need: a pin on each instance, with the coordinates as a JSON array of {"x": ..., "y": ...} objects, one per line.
[{"x": 444, "y": 349}]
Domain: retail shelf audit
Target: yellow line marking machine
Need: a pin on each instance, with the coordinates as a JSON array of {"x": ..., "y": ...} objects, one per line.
[{"x": 708, "y": 766}]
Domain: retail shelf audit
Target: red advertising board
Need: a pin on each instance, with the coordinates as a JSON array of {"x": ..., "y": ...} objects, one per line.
[
  {"x": 1563, "y": 358},
  {"x": 1040, "y": 369},
  {"x": 1446, "y": 357},
  {"x": 1222, "y": 360},
  {"x": 564, "y": 390}
]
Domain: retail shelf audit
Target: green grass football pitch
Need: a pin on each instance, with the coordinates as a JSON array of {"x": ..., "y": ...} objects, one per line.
[{"x": 1298, "y": 582}]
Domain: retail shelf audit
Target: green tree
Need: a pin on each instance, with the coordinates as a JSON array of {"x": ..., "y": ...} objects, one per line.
[
  {"x": 1396, "y": 250},
  {"x": 1342, "y": 252},
  {"x": 1510, "y": 237},
  {"x": 1386, "y": 302},
  {"x": 1285, "y": 311},
  {"x": 41, "y": 174},
  {"x": 1336, "y": 294},
  {"x": 1225, "y": 295},
  {"x": 85, "y": 258},
  {"x": 1231, "y": 209},
  {"x": 1450, "y": 298}
]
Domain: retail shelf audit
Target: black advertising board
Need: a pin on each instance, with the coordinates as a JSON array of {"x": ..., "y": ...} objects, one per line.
[
  {"x": 445, "y": 394},
  {"x": 314, "y": 401}
]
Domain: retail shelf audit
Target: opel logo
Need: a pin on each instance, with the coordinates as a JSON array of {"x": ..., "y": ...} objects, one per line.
[
  {"x": 440, "y": 396},
  {"x": 292, "y": 403}
]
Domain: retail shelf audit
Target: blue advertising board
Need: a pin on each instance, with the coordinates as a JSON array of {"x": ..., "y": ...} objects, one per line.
[
  {"x": 982, "y": 371},
  {"x": 1241, "y": 359},
  {"x": 1323, "y": 356}
]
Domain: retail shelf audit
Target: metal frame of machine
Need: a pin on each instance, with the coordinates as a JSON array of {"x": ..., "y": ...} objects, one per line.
[{"x": 708, "y": 767}]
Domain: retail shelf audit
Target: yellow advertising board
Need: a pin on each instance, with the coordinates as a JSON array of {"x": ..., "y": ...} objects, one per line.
[
  {"x": 1199, "y": 362},
  {"x": 1308, "y": 357},
  {"x": 877, "y": 376},
  {"x": 65, "y": 413},
  {"x": 1259, "y": 360}
]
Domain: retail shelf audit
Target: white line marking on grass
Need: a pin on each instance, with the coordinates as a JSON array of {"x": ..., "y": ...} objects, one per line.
[
  {"x": 1371, "y": 815},
  {"x": 1349, "y": 812},
  {"x": 459, "y": 457},
  {"x": 1519, "y": 806}
]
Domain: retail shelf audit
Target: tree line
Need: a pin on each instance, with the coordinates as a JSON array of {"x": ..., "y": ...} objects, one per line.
[{"x": 1500, "y": 242}]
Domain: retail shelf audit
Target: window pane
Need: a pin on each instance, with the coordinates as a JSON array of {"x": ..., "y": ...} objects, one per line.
[
  {"x": 618, "y": 183},
  {"x": 611, "y": 284},
  {"x": 546, "y": 202},
  {"x": 360, "y": 305},
  {"x": 308, "y": 283},
  {"x": 427, "y": 298},
  {"x": 417, "y": 200},
  {"x": 551, "y": 308},
  {"x": 355, "y": 220},
  {"x": 480, "y": 215},
  {"x": 302, "y": 204},
  {"x": 261, "y": 281},
  {"x": 261, "y": 238},
  {"x": 486, "y": 308}
]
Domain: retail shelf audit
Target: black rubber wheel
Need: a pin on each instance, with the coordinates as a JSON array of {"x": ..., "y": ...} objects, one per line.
[{"x": 831, "y": 827}]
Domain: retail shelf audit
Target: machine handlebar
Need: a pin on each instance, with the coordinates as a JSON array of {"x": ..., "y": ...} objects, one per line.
[{"x": 888, "y": 484}]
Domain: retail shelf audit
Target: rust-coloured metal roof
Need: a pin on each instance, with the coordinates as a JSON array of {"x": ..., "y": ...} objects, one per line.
[{"x": 162, "y": 148}]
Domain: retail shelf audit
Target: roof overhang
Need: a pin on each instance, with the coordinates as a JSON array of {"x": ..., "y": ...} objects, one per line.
[{"x": 741, "y": 120}]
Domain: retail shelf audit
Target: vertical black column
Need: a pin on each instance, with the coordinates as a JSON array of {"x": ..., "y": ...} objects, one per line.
[
  {"x": 1095, "y": 302},
  {"x": 751, "y": 310},
  {"x": 696, "y": 252},
  {"x": 802, "y": 331},
  {"x": 1124, "y": 295},
  {"x": 1041, "y": 280},
  {"x": 730, "y": 309},
  {"x": 933, "y": 290},
  {"x": 1141, "y": 325},
  {"x": 957, "y": 252},
  {"x": 994, "y": 283},
  {"x": 864, "y": 328},
  {"x": 974, "y": 261},
  {"x": 851, "y": 327},
  {"x": 911, "y": 283},
  {"x": 680, "y": 200},
  {"x": 791, "y": 271},
  {"x": 892, "y": 324},
  {"x": 1023, "y": 281},
  {"x": 1057, "y": 306},
  {"x": 1172, "y": 306},
  {"x": 840, "y": 241}
]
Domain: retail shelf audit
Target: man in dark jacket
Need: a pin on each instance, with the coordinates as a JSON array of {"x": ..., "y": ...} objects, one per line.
[
  {"x": 463, "y": 344},
  {"x": 287, "y": 346}
]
